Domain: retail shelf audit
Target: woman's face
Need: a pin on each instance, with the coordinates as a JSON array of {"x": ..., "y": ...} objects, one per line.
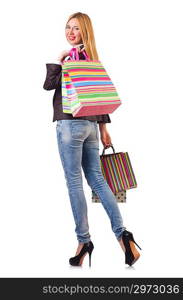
[{"x": 72, "y": 32}]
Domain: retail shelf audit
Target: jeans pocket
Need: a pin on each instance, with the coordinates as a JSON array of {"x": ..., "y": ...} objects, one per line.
[{"x": 78, "y": 129}]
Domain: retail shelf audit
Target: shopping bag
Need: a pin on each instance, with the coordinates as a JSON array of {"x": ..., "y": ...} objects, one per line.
[
  {"x": 118, "y": 172},
  {"x": 120, "y": 197},
  {"x": 87, "y": 88}
]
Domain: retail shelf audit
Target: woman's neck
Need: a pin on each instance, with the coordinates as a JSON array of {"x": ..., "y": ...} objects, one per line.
[{"x": 78, "y": 45}]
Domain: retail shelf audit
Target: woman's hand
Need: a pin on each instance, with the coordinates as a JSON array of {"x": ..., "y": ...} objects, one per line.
[
  {"x": 104, "y": 135},
  {"x": 63, "y": 55}
]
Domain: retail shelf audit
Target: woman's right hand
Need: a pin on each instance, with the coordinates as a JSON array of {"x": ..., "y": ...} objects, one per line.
[{"x": 63, "y": 55}]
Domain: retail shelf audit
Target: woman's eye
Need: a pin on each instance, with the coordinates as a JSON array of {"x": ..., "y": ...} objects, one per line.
[{"x": 68, "y": 27}]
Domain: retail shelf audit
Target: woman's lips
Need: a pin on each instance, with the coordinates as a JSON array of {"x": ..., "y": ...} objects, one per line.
[{"x": 71, "y": 38}]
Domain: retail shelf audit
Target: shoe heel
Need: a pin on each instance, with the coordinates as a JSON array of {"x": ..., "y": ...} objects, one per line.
[
  {"x": 89, "y": 259},
  {"x": 78, "y": 259},
  {"x": 136, "y": 243},
  {"x": 131, "y": 253}
]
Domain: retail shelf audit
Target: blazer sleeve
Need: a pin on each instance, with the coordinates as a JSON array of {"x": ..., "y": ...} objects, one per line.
[
  {"x": 53, "y": 76},
  {"x": 104, "y": 119}
]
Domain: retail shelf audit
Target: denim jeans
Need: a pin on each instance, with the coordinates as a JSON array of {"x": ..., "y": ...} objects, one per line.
[{"x": 78, "y": 144}]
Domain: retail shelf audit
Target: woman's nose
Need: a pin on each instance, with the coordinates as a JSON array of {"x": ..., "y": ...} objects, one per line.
[{"x": 71, "y": 31}]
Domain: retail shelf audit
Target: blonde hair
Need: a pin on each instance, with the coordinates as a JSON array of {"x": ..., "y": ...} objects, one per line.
[{"x": 87, "y": 34}]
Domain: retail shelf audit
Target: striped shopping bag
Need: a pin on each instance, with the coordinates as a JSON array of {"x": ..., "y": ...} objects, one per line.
[
  {"x": 86, "y": 88},
  {"x": 118, "y": 172}
]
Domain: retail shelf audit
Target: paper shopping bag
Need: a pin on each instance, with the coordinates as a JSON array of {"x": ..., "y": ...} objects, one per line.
[{"x": 87, "y": 89}]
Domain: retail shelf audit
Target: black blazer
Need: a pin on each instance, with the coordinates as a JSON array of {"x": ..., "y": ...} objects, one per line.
[{"x": 53, "y": 82}]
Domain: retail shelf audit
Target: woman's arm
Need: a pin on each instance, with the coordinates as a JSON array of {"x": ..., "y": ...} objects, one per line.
[
  {"x": 104, "y": 135},
  {"x": 53, "y": 76},
  {"x": 54, "y": 72}
]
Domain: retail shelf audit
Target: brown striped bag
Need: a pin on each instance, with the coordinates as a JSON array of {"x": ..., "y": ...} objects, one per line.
[{"x": 118, "y": 172}]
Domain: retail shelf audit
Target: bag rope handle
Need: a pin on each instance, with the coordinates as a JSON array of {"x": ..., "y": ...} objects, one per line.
[
  {"x": 74, "y": 54},
  {"x": 111, "y": 146}
]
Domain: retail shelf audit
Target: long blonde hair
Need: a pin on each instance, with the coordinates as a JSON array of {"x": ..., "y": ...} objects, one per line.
[{"x": 87, "y": 34}]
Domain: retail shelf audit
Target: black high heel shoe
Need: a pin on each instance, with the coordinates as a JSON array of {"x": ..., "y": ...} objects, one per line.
[
  {"x": 131, "y": 253},
  {"x": 78, "y": 259}
]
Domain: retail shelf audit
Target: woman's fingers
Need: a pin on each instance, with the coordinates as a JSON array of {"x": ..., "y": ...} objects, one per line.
[{"x": 63, "y": 54}]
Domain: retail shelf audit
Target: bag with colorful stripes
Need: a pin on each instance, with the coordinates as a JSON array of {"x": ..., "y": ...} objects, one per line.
[
  {"x": 86, "y": 87},
  {"x": 118, "y": 172}
]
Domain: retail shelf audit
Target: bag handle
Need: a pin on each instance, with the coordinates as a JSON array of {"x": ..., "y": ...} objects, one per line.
[
  {"x": 106, "y": 148},
  {"x": 74, "y": 54}
]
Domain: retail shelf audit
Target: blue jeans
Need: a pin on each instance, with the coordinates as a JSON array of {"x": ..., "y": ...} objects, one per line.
[{"x": 78, "y": 144}]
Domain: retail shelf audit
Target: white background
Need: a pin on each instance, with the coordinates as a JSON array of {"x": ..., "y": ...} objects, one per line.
[{"x": 140, "y": 45}]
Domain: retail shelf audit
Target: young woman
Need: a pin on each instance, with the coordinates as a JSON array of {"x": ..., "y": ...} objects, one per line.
[{"x": 78, "y": 145}]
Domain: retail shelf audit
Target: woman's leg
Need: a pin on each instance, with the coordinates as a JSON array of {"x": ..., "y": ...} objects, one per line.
[
  {"x": 70, "y": 137},
  {"x": 93, "y": 173}
]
